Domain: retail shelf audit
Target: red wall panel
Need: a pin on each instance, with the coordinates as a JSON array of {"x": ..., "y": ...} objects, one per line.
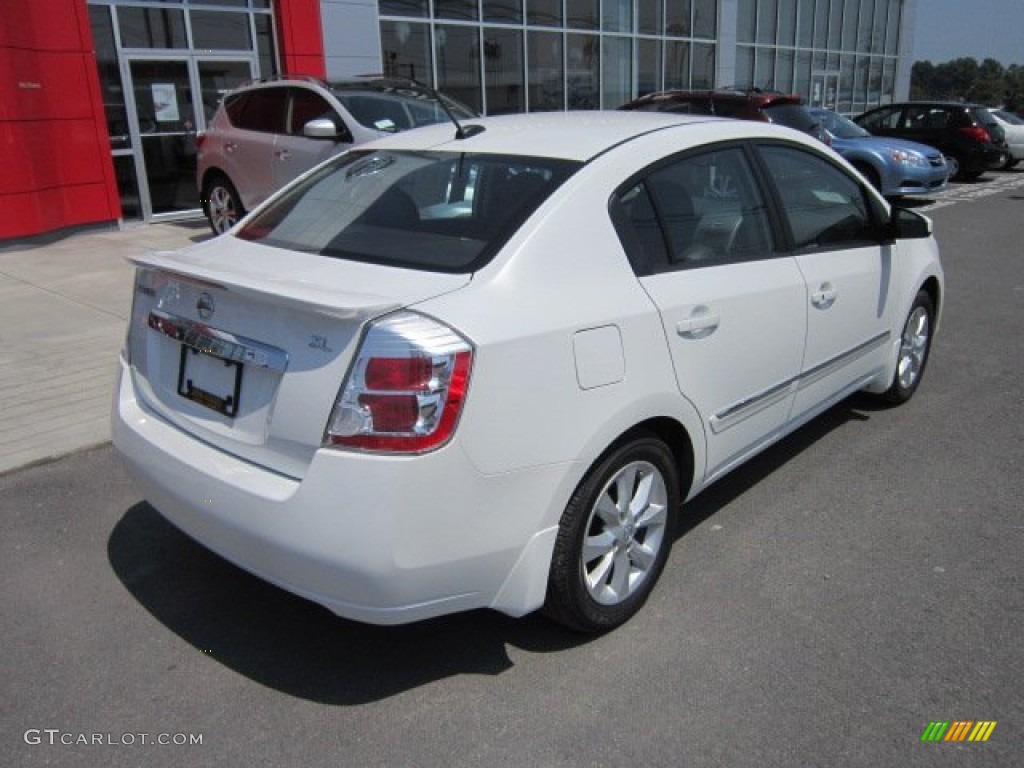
[
  {"x": 53, "y": 138},
  {"x": 301, "y": 39}
]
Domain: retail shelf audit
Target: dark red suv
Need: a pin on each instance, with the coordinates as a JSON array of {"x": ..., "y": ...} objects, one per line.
[{"x": 753, "y": 104}]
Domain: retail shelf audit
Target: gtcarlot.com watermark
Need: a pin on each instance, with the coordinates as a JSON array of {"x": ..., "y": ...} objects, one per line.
[{"x": 55, "y": 737}]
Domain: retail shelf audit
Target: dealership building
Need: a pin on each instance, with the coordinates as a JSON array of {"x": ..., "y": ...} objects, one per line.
[{"x": 101, "y": 100}]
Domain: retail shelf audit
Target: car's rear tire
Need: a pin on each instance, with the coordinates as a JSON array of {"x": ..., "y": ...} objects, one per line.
[
  {"x": 222, "y": 204},
  {"x": 614, "y": 537},
  {"x": 915, "y": 344}
]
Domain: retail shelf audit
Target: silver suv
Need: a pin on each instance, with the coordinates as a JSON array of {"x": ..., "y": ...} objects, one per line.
[{"x": 265, "y": 134}]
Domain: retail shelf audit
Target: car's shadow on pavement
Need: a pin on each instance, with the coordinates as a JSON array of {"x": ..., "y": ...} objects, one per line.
[{"x": 292, "y": 645}]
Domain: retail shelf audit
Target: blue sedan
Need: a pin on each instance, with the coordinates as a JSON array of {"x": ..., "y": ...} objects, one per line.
[{"x": 895, "y": 166}]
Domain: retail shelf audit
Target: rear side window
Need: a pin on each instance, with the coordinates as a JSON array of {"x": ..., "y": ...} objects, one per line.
[
  {"x": 791, "y": 115},
  {"x": 701, "y": 210},
  {"x": 824, "y": 207},
  {"x": 435, "y": 211},
  {"x": 261, "y": 110}
]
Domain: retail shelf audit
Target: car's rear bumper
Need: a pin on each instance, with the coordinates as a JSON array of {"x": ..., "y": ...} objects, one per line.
[{"x": 380, "y": 539}]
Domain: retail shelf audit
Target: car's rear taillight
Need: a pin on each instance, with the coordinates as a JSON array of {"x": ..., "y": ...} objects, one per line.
[
  {"x": 976, "y": 132},
  {"x": 405, "y": 390}
]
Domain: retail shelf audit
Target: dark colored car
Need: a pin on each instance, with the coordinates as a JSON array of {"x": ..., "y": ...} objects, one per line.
[
  {"x": 752, "y": 104},
  {"x": 967, "y": 134}
]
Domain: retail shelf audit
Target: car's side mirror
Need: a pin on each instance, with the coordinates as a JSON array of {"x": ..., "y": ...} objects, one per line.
[
  {"x": 324, "y": 128},
  {"x": 905, "y": 224}
]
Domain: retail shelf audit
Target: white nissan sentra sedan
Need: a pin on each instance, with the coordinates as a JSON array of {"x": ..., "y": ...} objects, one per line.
[{"x": 485, "y": 367}]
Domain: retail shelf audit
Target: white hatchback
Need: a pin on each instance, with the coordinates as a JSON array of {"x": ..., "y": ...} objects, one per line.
[{"x": 484, "y": 368}]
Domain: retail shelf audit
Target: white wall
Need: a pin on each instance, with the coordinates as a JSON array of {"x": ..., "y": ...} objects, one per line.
[{"x": 351, "y": 37}]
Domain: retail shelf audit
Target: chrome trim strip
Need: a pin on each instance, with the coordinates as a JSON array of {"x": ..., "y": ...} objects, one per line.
[
  {"x": 747, "y": 407},
  {"x": 218, "y": 343},
  {"x": 827, "y": 367}
]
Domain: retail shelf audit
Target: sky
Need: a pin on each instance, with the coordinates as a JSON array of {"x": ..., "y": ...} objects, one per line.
[{"x": 980, "y": 29}]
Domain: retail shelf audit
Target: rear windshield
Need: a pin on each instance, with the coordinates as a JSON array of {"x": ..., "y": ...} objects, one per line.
[
  {"x": 435, "y": 211},
  {"x": 791, "y": 115},
  {"x": 398, "y": 109}
]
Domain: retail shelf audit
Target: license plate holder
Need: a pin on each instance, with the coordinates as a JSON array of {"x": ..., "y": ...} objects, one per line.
[{"x": 212, "y": 381}]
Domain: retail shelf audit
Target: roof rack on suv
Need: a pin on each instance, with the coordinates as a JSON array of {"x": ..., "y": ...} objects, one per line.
[{"x": 280, "y": 78}]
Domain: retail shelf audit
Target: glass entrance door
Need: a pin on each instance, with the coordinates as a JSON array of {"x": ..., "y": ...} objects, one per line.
[{"x": 168, "y": 115}]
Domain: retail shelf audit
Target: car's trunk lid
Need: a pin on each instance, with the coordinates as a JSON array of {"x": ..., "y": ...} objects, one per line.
[{"x": 246, "y": 346}]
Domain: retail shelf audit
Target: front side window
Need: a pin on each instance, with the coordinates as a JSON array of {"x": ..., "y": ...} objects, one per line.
[
  {"x": 435, "y": 211},
  {"x": 823, "y": 206},
  {"x": 701, "y": 210}
]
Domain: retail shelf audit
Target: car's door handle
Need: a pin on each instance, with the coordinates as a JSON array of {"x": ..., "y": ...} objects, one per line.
[
  {"x": 824, "y": 297},
  {"x": 282, "y": 154},
  {"x": 230, "y": 146},
  {"x": 701, "y": 322}
]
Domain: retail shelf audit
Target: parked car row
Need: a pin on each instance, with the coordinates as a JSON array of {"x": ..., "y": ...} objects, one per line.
[
  {"x": 903, "y": 149},
  {"x": 265, "y": 134}
]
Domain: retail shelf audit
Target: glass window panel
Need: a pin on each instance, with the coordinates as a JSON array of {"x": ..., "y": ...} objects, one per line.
[
  {"x": 545, "y": 13},
  {"x": 744, "y": 67},
  {"x": 787, "y": 22},
  {"x": 677, "y": 64},
  {"x": 767, "y": 16},
  {"x": 892, "y": 34},
  {"x": 878, "y": 26},
  {"x": 705, "y": 18},
  {"x": 703, "y": 65},
  {"x": 888, "y": 80},
  {"x": 860, "y": 82},
  {"x": 503, "y": 70},
  {"x": 128, "y": 186},
  {"x": 236, "y": 3},
  {"x": 846, "y": 84},
  {"x": 802, "y": 75},
  {"x": 546, "y": 75},
  {"x": 616, "y": 71},
  {"x": 405, "y": 49},
  {"x": 458, "y": 64},
  {"x": 764, "y": 71},
  {"x": 110, "y": 76},
  {"x": 265, "y": 45},
  {"x": 677, "y": 18},
  {"x": 415, "y": 8},
  {"x": 851, "y": 12},
  {"x": 581, "y": 14},
  {"x": 864, "y": 26},
  {"x": 618, "y": 16},
  {"x": 784, "y": 69},
  {"x": 215, "y": 31},
  {"x": 583, "y": 61},
  {"x": 504, "y": 10},
  {"x": 820, "y": 23},
  {"x": 649, "y": 16},
  {"x": 151, "y": 27},
  {"x": 835, "y": 29},
  {"x": 746, "y": 22},
  {"x": 649, "y": 78},
  {"x": 805, "y": 24},
  {"x": 456, "y": 9}
]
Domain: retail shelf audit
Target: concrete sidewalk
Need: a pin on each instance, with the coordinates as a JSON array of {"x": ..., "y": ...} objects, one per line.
[{"x": 64, "y": 302}]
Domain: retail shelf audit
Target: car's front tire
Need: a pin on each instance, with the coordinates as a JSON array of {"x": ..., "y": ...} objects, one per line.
[
  {"x": 915, "y": 344},
  {"x": 222, "y": 204},
  {"x": 614, "y": 537}
]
